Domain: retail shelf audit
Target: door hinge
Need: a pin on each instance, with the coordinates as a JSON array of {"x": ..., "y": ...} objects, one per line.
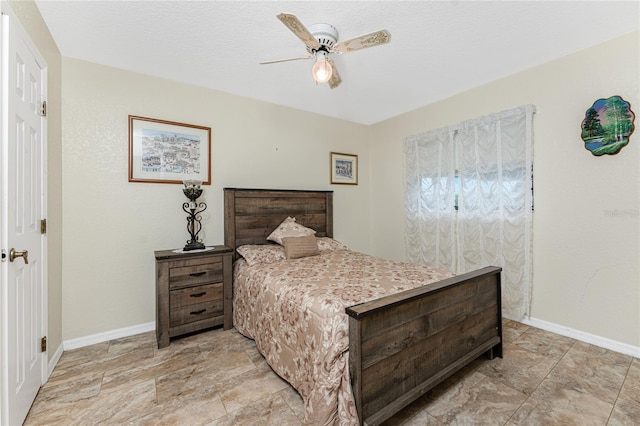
[
  {"x": 43, "y": 344},
  {"x": 43, "y": 226},
  {"x": 43, "y": 109}
]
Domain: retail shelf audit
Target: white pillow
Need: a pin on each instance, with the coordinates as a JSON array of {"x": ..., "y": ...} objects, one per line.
[
  {"x": 289, "y": 228},
  {"x": 329, "y": 244},
  {"x": 263, "y": 253}
]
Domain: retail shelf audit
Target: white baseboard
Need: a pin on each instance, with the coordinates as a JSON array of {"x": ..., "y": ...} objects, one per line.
[
  {"x": 534, "y": 322},
  {"x": 96, "y": 338},
  {"x": 108, "y": 335},
  {"x": 602, "y": 342},
  {"x": 54, "y": 359}
]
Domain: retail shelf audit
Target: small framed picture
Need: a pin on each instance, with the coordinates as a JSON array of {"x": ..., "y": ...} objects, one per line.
[
  {"x": 168, "y": 152},
  {"x": 344, "y": 168}
]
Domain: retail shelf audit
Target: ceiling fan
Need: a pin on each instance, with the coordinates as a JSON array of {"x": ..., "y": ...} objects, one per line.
[{"x": 321, "y": 40}]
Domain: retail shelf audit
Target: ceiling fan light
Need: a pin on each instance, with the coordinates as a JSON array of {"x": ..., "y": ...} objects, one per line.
[{"x": 322, "y": 69}]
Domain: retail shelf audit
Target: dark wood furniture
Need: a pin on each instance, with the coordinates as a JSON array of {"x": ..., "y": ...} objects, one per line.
[
  {"x": 193, "y": 291},
  {"x": 250, "y": 215},
  {"x": 403, "y": 345},
  {"x": 400, "y": 346}
]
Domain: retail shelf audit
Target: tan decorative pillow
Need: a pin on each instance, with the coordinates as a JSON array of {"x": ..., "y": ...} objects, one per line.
[
  {"x": 289, "y": 228},
  {"x": 296, "y": 247}
]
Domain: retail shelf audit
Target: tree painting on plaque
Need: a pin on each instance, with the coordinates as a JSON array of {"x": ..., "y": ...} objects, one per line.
[{"x": 607, "y": 126}]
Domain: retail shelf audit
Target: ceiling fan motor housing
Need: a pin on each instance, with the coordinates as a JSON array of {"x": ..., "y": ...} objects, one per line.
[{"x": 327, "y": 36}]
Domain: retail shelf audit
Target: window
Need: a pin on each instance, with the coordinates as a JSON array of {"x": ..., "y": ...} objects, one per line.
[{"x": 469, "y": 200}]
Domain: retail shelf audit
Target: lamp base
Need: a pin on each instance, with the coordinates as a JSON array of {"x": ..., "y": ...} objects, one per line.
[{"x": 193, "y": 246}]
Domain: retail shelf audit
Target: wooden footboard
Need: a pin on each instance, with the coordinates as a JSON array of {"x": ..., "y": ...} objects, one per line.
[{"x": 403, "y": 345}]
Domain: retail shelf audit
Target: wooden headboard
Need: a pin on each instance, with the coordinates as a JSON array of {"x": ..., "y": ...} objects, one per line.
[{"x": 250, "y": 215}]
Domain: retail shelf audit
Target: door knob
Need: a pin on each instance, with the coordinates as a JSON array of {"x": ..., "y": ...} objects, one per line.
[{"x": 23, "y": 254}]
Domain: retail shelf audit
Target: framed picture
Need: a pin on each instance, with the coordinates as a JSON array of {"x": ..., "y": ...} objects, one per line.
[
  {"x": 167, "y": 152},
  {"x": 344, "y": 168}
]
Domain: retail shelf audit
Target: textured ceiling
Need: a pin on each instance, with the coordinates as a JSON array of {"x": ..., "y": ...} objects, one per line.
[{"x": 437, "y": 49}]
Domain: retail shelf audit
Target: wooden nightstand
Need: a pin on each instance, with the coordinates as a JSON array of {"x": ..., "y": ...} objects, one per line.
[{"x": 193, "y": 291}]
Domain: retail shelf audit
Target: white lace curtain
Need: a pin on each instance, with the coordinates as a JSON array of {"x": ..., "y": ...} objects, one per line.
[{"x": 468, "y": 200}]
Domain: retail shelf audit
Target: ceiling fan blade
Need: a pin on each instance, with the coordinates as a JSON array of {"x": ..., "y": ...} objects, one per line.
[
  {"x": 296, "y": 27},
  {"x": 362, "y": 42},
  {"x": 286, "y": 60},
  {"x": 335, "y": 79}
]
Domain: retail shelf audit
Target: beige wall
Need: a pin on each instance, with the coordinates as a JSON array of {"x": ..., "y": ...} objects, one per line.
[
  {"x": 586, "y": 220},
  {"x": 113, "y": 226},
  {"x": 586, "y": 223},
  {"x": 31, "y": 21}
]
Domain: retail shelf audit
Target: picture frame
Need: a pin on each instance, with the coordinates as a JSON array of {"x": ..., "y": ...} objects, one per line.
[
  {"x": 344, "y": 168},
  {"x": 163, "y": 151}
]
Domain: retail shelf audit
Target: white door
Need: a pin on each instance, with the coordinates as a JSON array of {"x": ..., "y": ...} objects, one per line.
[{"x": 23, "y": 202}]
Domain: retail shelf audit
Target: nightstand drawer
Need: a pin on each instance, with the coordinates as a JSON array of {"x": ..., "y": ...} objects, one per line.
[
  {"x": 194, "y": 295},
  {"x": 197, "y": 312},
  {"x": 207, "y": 271}
]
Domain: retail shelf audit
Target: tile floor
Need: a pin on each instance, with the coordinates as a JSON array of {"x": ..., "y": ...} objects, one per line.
[{"x": 219, "y": 378}]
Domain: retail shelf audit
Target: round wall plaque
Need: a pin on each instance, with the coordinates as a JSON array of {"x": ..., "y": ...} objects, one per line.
[{"x": 607, "y": 126}]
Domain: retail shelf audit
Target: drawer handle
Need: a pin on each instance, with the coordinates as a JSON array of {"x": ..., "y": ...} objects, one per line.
[
  {"x": 201, "y": 311},
  {"x": 198, "y": 274},
  {"x": 198, "y": 294}
]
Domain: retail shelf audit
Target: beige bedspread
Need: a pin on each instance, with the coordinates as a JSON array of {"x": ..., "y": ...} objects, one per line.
[{"x": 295, "y": 311}]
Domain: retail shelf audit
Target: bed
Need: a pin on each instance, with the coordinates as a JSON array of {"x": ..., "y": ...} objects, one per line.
[{"x": 396, "y": 345}]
